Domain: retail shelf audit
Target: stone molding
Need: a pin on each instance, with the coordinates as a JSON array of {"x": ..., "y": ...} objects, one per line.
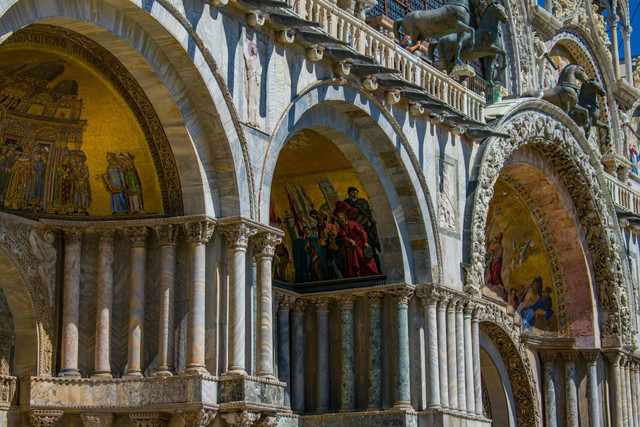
[
  {"x": 45, "y": 417},
  {"x": 137, "y": 236}
]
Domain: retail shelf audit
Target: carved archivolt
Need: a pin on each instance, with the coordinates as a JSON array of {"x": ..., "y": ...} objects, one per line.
[
  {"x": 543, "y": 127},
  {"x": 522, "y": 45}
]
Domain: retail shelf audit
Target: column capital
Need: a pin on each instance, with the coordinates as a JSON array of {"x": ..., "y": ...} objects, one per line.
[
  {"x": 198, "y": 418},
  {"x": 137, "y": 236},
  {"x": 199, "y": 231},
  {"x": 237, "y": 234},
  {"x": 106, "y": 237},
  {"x": 99, "y": 419},
  {"x": 470, "y": 308},
  {"x": 626, "y": 32},
  {"x": 149, "y": 419},
  {"x": 45, "y": 417},
  {"x": 375, "y": 298},
  {"x": 299, "y": 306},
  {"x": 285, "y": 302},
  {"x": 429, "y": 296},
  {"x": 347, "y": 301},
  {"x": 460, "y": 305},
  {"x": 401, "y": 296},
  {"x": 167, "y": 234},
  {"x": 322, "y": 303},
  {"x": 73, "y": 237},
  {"x": 548, "y": 356},
  {"x": 569, "y": 356},
  {"x": 264, "y": 244},
  {"x": 634, "y": 366},
  {"x": 477, "y": 313},
  {"x": 591, "y": 355},
  {"x": 614, "y": 357},
  {"x": 240, "y": 418}
]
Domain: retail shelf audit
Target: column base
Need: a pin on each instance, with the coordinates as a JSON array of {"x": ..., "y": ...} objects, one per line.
[
  {"x": 196, "y": 370},
  {"x": 374, "y": 408},
  {"x": 348, "y": 409},
  {"x": 235, "y": 372},
  {"x": 433, "y": 407},
  {"x": 69, "y": 373},
  {"x": 102, "y": 375},
  {"x": 133, "y": 374},
  {"x": 163, "y": 372},
  {"x": 403, "y": 406}
]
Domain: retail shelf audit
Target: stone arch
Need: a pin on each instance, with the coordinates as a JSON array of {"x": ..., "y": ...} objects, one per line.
[
  {"x": 212, "y": 174},
  {"x": 350, "y": 115},
  {"x": 544, "y": 128}
]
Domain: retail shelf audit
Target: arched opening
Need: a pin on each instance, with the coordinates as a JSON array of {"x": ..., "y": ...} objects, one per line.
[{"x": 497, "y": 394}]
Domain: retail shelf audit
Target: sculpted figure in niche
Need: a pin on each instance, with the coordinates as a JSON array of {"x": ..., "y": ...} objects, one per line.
[{"x": 253, "y": 67}]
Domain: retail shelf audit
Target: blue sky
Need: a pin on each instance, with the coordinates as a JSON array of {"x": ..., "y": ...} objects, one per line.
[{"x": 635, "y": 24}]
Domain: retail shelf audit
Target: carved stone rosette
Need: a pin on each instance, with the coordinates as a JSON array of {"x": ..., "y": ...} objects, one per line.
[{"x": 44, "y": 417}]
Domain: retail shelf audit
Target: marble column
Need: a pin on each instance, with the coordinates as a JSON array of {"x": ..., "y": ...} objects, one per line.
[
  {"x": 462, "y": 391},
  {"x": 468, "y": 358},
  {"x": 616, "y": 401},
  {"x": 297, "y": 360},
  {"x": 237, "y": 236},
  {"x": 348, "y": 382},
  {"x": 623, "y": 391},
  {"x": 168, "y": 240},
  {"x": 452, "y": 366},
  {"x": 549, "y": 388},
  {"x": 442, "y": 351},
  {"x": 636, "y": 393},
  {"x": 375, "y": 350},
  {"x": 628, "y": 59},
  {"x": 322, "y": 362},
  {"x": 591, "y": 357},
  {"x": 71, "y": 303},
  {"x": 403, "y": 391},
  {"x": 264, "y": 249},
  {"x": 284, "y": 349},
  {"x": 433, "y": 379},
  {"x": 613, "y": 25},
  {"x": 477, "y": 373},
  {"x": 571, "y": 389},
  {"x": 627, "y": 376},
  {"x": 102, "y": 367},
  {"x": 137, "y": 280}
]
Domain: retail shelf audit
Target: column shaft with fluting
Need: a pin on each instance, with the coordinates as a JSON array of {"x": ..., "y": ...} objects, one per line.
[
  {"x": 322, "y": 358},
  {"x": 375, "y": 350},
  {"x": 452, "y": 365},
  {"x": 402, "y": 369},
  {"x": 571, "y": 389},
  {"x": 237, "y": 239},
  {"x": 549, "y": 388},
  {"x": 102, "y": 368},
  {"x": 264, "y": 249},
  {"x": 137, "y": 280},
  {"x": 468, "y": 359},
  {"x": 167, "y": 239},
  {"x": 591, "y": 357},
  {"x": 433, "y": 377},
  {"x": 198, "y": 234},
  {"x": 348, "y": 382},
  {"x": 460, "y": 360},
  {"x": 284, "y": 349},
  {"x": 71, "y": 304},
  {"x": 297, "y": 357},
  {"x": 442, "y": 351}
]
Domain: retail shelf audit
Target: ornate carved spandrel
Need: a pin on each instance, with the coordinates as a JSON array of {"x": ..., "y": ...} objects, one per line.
[
  {"x": 149, "y": 419},
  {"x": 237, "y": 234},
  {"x": 199, "y": 231},
  {"x": 97, "y": 420},
  {"x": 137, "y": 236},
  {"x": 240, "y": 418},
  {"x": 44, "y": 417},
  {"x": 198, "y": 418},
  {"x": 167, "y": 234},
  {"x": 264, "y": 244}
]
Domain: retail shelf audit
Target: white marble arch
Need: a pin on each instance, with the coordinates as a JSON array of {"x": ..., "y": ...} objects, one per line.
[
  {"x": 373, "y": 142},
  {"x": 185, "y": 91},
  {"x": 26, "y": 347}
]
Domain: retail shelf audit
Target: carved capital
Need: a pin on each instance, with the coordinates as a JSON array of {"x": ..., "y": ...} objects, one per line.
[
  {"x": 198, "y": 418},
  {"x": 167, "y": 234},
  {"x": 44, "y": 417},
  {"x": 614, "y": 357},
  {"x": 548, "y": 356},
  {"x": 453, "y": 303},
  {"x": 469, "y": 308},
  {"x": 269, "y": 420},
  {"x": 375, "y": 298},
  {"x": 477, "y": 313},
  {"x": 322, "y": 303},
  {"x": 298, "y": 306},
  {"x": 569, "y": 356},
  {"x": 591, "y": 355},
  {"x": 97, "y": 420},
  {"x": 237, "y": 235},
  {"x": 284, "y": 302},
  {"x": 240, "y": 418},
  {"x": 73, "y": 238},
  {"x": 149, "y": 419},
  {"x": 401, "y": 296},
  {"x": 137, "y": 236},
  {"x": 198, "y": 231},
  {"x": 347, "y": 301},
  {"x": 264, "y": 244},
  {"x": 106, "y": 238}
]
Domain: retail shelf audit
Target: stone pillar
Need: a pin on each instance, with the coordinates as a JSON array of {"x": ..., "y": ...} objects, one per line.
[
  {"x": 322, "y": 362},
  {"x": 442, "y": 351},
  {"x": 297, "y": 362},
  {"x": 628, "y": 59},
  {"x": 616, "y": 401},
  {"x": 265, "y": 244},
  {"x": 623, "y": 391},
  {"x": 102, "y": 367},
  {"x": 433, "y": 379},
  {"x": 468, "y": 358},
  {"x": 452, "y": 366},
  {"x": 636, "y": 393},
  {"x": 167, "y": 239},
  {"x": 613, "y": 25},
  {"x": 237, "y": 239},
  {"x": 549, "y": 388},
  {"x": 460, "y": 359},
  {"x": 571, "y": 396},
  {"x": 71, "y": 303},
  {"x": 592, "y": 387},
  {"x": 375, "y": 350},
  {"x": 348, "y": 382},
  {"x": 477, "y": 373},
  {"x": 627, "y": 388},
  {"x": 138, "y": 256},
  {"x": 403, "y": 391},
  {"x": 284, "y": 350}
]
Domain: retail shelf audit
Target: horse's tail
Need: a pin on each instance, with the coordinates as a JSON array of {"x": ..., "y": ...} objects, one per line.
[
  {"x": 396, "y": 28},
  {"x": 432, "y": 51}
]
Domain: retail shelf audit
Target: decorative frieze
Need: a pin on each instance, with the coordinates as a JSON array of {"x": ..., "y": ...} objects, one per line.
[
  {"x": 97, "y": 419},
  {"x": 149, "y": 419}
]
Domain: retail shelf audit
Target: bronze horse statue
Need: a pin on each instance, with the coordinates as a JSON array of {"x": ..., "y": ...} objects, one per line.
[
  {"x": 487, "y": 43},
  {"x": 565, "y": 94},
  {"x": 452, "y": 17},
  {"x": 589, "y": 113}
]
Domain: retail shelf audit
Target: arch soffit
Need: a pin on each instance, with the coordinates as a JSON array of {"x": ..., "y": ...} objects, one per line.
[
  {"x": 365, "y": 108},
  {"x": 548, "y": 130},
  {"x": 129, "y": 34}
]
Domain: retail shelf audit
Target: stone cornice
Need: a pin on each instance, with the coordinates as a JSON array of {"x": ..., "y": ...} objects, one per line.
[{"x": 122, "y": 223}]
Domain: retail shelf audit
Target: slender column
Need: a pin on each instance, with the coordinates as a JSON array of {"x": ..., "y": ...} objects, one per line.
[
  {"x": 628, "y": 59},
  {"x": 265, "y": 244},
  {"x": 284, "y": 350},
  {"x": 468, "y": 358},
  {"x": 102, "y": 368},
  {"x": 138, "y": 255},
  {"x": 167, "y": 238},
  {"x": 375, "y": 350},
  {"x": 462, "y": 392},
  {"x": 548, "y": 359},
  {"x": 592, "y": 387},
  {"x": 297, "y": 360},
  {"x": 442, "y": 351},
  {"x": 237, "y": 239},
  {"x": 571, "y": 388},
  {"x": 477, "y": 374},
  {"x": 613, "y": 24},
  {"x": 627, "y": 376},
  {"x": 322, "y": 380},
  {"x": 616, "y": 392},
  {"x": 452, "y": 366},
  {"x": 623, "y": 391},
  {"x": 636, "y": 393},
  {"x": 403, "y": 392},
  {"x": 348, "y": 395},
  {"x": 71, "y": 303},
  {"x": 431, "y": 315}
]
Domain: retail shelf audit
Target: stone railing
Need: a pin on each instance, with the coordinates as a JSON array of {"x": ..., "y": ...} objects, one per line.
[
  {"x": 7, "y": 391},
  {"x": 623, "y": 196},
  {"x": 387, "y": 52}
]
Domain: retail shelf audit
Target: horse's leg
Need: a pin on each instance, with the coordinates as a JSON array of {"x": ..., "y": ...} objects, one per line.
[
  {"x": 462, "y": 29},
  {"x": 490, "y": 69}
]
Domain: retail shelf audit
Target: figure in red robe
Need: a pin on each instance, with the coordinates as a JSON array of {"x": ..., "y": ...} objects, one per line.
[
  {"x": 493, "y": 272},
  {"x": 353, "y": 239}
]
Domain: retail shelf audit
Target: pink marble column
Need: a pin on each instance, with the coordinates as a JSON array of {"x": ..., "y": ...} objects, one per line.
[
  {"x": 102, "y": 367},
  {"x": 167, "y": 238},
  {"x": 198, "y": 234},
  {"x": 71, "y": 303},
  {"x": 138, "y": 253}
]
